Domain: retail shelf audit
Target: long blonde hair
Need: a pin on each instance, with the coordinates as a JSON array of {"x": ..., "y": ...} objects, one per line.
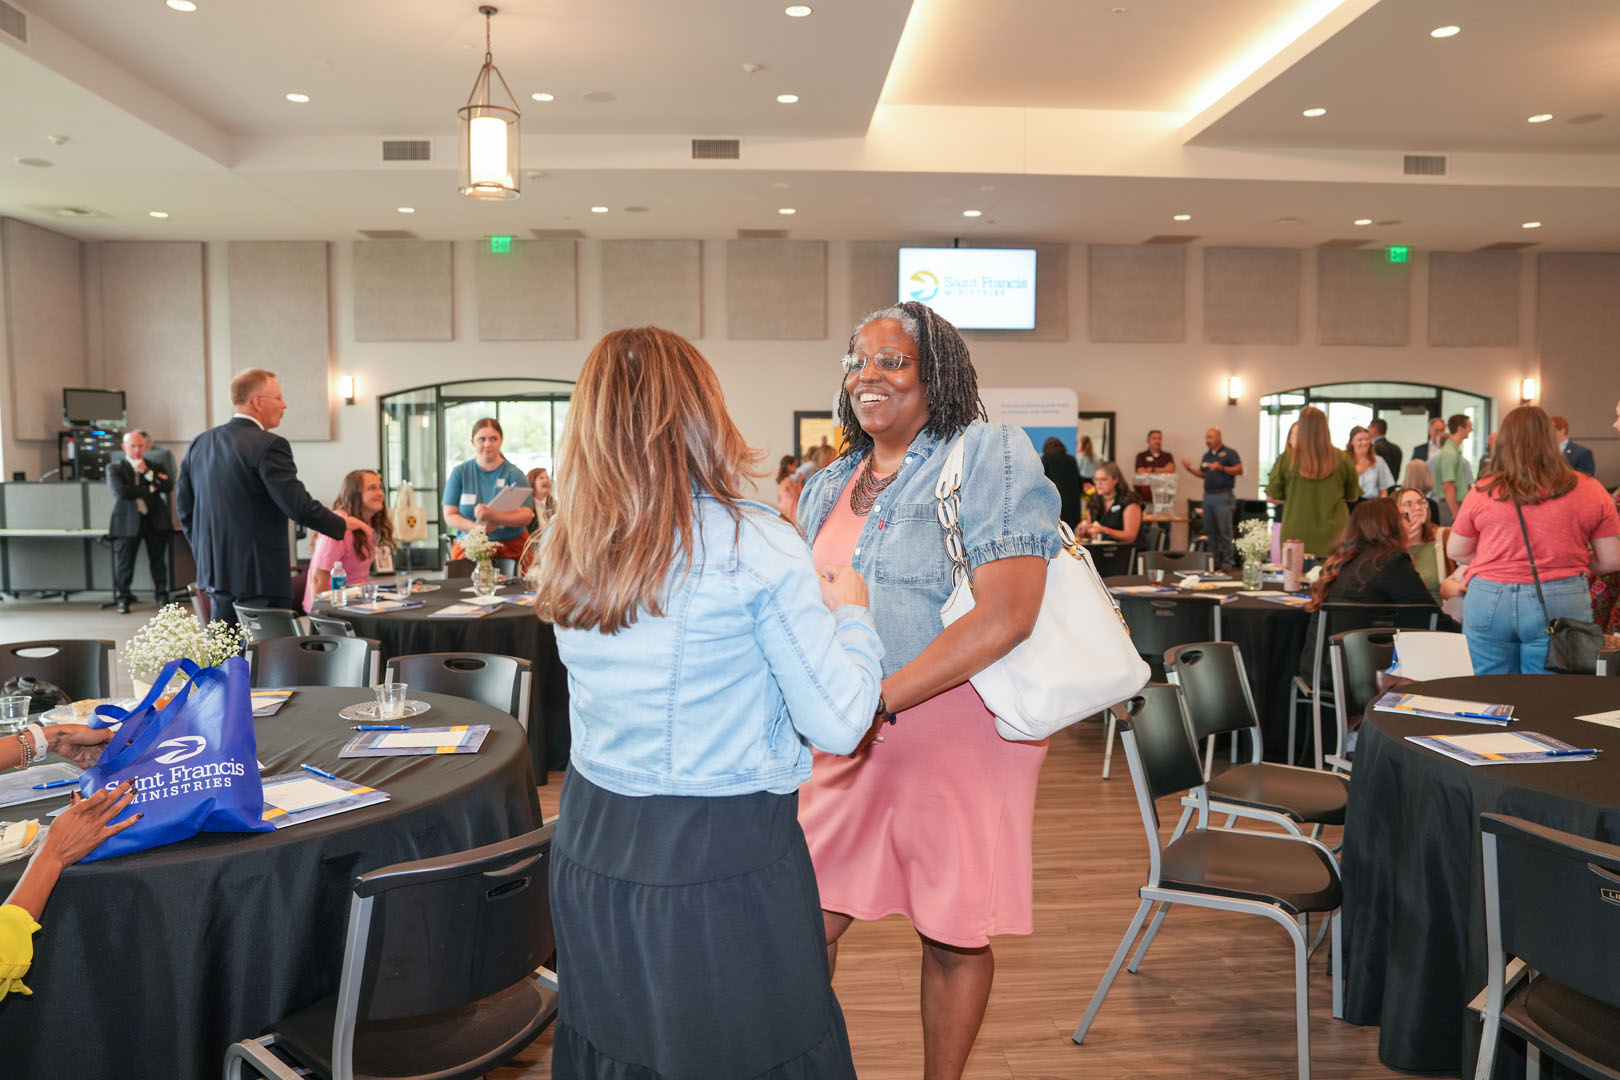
[
  {"x": 646, "y": 427},
  {"x": 1315, "y": 455}
]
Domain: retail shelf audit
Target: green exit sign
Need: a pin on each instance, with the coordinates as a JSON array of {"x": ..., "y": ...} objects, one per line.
[
  {"x": 1399, "y": 253},
  {"x": 500, "y": 245}
]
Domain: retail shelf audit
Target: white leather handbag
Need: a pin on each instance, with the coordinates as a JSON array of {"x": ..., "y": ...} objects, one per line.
[{"x": 1079, "y": 659}]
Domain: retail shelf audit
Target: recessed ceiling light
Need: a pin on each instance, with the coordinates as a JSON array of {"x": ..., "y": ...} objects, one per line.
[
  {"x": 797, "y": 11},
  {"x": 1539, "y": 118},
  {"x": 1180, "y": 217},
  {"x": 787, "y": 99},
  {"x": 406, "y": 209},
  {"x": 1531, "y": 225},
  {"x": 541, "y": 95},
  {"x": 35, "y": 162},
  {"x": 1363, "y": 221},
  {"x": 1314, "y": 111},
  {"x": 781, "y": 184},
  {"x": 298, "y": 99},
  {"x": 157, "y": 213},
  {"x": 786, "y": 211},
  {"x": 599, "y": 209},
  {"x": 181, "y": 5},
  {"x": 973, "y": 213},
  {"x": 1445, "y": 31},
  {"x": 987, "y": 187}
]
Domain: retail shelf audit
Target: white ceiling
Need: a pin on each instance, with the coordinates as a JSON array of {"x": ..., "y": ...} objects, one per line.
[{"x": 1058, "y": 119}]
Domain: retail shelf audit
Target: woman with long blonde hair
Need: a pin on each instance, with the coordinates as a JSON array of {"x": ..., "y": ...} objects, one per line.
[
  {"x": 1316, "y": 483},
  {"x": 705, "y": 657}
]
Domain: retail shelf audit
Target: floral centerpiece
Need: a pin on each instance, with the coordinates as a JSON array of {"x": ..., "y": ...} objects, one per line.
[
  {"x": 1254, "y": 544},
  {"x": 172, "y": 633},
  {"x": 481, "y": 550}
]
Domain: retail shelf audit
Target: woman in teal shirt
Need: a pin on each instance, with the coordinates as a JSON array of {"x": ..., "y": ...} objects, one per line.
[{"x": 475, "y": 484}]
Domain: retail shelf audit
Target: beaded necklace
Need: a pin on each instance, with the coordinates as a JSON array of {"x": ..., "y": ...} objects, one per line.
[{"x": 867, "y": 487}]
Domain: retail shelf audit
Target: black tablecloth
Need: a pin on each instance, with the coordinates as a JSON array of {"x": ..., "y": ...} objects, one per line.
[
  {"x": 1414, "y": 909},
  {"x": 1270, "y": 637},
  {"x": 149, "y": 965},
  {"x": 509, "y": 630}
]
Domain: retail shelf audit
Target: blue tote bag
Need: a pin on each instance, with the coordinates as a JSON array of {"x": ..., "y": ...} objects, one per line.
[{"x": 194, "y": 761}]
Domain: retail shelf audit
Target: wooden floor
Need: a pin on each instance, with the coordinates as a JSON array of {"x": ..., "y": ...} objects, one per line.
[{"x": 1214, "y": 999}]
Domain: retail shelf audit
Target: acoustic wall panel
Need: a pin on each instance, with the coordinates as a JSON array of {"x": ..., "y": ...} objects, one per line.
[
  {"x": 44, "y": 324},
  {"x": 1577, "y": 331},
  {"x": 1138, "y": 292},
  {"x": 874, "y": 285},
  {"x": 154, "y": 335},
  {"x": 874, "y": 266},
  {"x": 1362, "y": 298},
  {"x": 653, "y": 283},
  {"x": 280, "y": 313},
  {"x": 1251, "y": 296},
  {"x": 403, "y": 290},
  {"x": 776, "y": 290},
  {"x": 1474, "y": 297},
  {"x": 530, "y": 293}
]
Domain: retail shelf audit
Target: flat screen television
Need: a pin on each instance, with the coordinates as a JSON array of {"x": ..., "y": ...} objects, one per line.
[
  {"x": 92, "y": 408},
  {"x": 974, "y": 288}
]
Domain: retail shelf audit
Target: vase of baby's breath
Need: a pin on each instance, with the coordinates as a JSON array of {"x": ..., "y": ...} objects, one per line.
[
  {"x": 171, "y": 634},
  {"x": 1254, "y": 544},
  {"x": 481, "y": 550}
]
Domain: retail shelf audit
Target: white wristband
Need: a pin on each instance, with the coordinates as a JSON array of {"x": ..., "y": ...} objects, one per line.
[{"x": 36, "y": 734}]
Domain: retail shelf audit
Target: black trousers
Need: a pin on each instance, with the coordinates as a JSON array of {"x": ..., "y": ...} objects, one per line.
[
  {"x": 222, "y": 605},
  {"x": 157, "y": 557}
]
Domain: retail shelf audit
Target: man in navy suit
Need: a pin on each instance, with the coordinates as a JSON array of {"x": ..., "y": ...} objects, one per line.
[
  {"x": 140, "y": 512},
  {"x": 237, "y": 490},
  {"x": 1385, "y": 449},
  {"x": 1437, "y": 439},
  {"x": 1579, "y": 457}
]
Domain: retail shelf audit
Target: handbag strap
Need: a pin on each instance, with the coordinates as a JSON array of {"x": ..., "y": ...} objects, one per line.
[{"x": 1531, "y": 555}]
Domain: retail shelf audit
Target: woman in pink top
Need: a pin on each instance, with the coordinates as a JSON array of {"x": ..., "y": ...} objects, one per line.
[
  {"x": 1573, "y": 530},
  {"x": 361, "y": 496}
]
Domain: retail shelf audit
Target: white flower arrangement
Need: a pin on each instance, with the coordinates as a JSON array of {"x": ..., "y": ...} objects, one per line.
[
  {"x": 1254, "y": 540},
  {"x": 477, "y": 544},
  {"x": 175, "y": 632}
]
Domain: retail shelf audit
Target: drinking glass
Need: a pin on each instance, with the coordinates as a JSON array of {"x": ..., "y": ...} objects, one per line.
[
  {"x": 390, "y": 700},
  {"x": 14, "y": 712}
]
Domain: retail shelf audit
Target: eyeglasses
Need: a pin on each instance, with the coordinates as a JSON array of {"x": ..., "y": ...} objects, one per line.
[{"x": 885, "y": 361}]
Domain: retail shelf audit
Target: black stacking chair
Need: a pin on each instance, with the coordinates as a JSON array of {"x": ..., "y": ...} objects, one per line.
[
  {"x": 1112, "y": 560},
  {"x": 314, "y": 661},
  {"x": 82, "y": 668},
  {"x": 1281, "y": 877},
  {"x": 506, "y": 566},
  {"x": 1176, "y": 560},
  {"x": 498, "y": 681},
  {"x": 458, "y": 568},
  {"x": 1216, "y": 694},
  {"x": 1355, "y": 658},
  {"x": 319, "y": 624},
  {"x": 1550, "y": 901},
  {"x": 262, "y": 624},
  {"x": 441, "y": 975},
  {"x": 1158, "y": 624}
]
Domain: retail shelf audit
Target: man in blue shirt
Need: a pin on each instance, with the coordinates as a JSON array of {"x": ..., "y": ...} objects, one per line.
[
  {"x": 1580, "y": 458},
  {"x": 1219, "y": 467}
]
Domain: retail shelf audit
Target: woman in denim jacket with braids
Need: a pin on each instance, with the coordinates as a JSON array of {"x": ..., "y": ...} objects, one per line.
[{"x": 935, "y": 821}]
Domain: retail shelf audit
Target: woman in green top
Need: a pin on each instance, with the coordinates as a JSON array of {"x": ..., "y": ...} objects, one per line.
[
  {"x": 1316, "y": 485},
  {"x": 1426, "y": 542}
]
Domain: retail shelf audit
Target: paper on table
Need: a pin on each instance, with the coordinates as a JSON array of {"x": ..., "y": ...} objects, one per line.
[
  {"x": 422, "y": 738},
  {"x": 295, "y": 795},
  {"x": 509, "y": 499},
  {"x": 461, "y": 610},
  {"x": 485, "y": 601},
  {"x": 1611, "y": 718},
  {"x": 1425, "y": 703},
  {"x": 1428, "y": 655},
  {"x": 1497, "y": 742}
]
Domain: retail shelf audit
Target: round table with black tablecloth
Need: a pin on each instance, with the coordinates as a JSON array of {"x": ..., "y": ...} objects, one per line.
[
  {"x": 510, "y": 630},
  {"x": 1270, "y": 636},
  {"x": 150, "y": 964},
  {"x": 1414, "y": 909}
]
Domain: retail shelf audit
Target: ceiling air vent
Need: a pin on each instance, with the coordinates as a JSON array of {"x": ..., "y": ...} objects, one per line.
[
  {"x": 1169, "y": 238},
  {"x": 716, "y": 150},
  {"x": 388, "y": 234},
  {"x": 558, "y": 234},
  {"x": 407, "y": 150},
  {"x": 13, "y": 22},
  {"x": 762, "y": 234},
  {"x": 1508, "y": 245},
  {"x": 1346, "y": 242},
  {"x": 1424, "y": 165}
]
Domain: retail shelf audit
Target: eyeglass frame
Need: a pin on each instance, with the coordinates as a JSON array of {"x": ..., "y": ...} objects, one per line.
[{"x": 855, "y": 363}]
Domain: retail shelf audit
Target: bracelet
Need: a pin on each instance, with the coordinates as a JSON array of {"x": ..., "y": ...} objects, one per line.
[
  {"x": 36, "y": 732},
  {"x": 25, "y": 749},
  {"x": 884, "y": 713}
]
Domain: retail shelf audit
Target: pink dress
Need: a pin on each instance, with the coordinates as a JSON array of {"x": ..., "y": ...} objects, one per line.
[
  {"x": 328, "y": 551},
  {"x": 935, "y": 822}
]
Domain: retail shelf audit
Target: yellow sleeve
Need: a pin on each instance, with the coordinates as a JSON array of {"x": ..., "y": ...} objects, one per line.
[{"x": 17, "y": 930}]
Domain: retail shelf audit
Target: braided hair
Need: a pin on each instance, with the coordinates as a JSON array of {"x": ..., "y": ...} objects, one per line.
[{"x": 950, "y": 385}]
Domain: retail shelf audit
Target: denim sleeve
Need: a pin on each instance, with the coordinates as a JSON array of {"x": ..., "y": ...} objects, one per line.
[
  {"x": 1009, "y": 507},
  {"x": 829, "y": 665}
]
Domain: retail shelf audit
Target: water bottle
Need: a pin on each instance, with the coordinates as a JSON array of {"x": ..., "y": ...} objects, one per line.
[{"x": 340, "y": 578}]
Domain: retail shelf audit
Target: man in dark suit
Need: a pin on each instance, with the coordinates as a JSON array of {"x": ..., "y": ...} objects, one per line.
[
  {"x": 1064, "y": 472},
  {"x": 160, "y": 459},
  {"x": 1580, "y": 458},
  {"x": 1384, "y": 448},
  {"x": 140, "y": 512},
  {"x": 237, "y": 490},
  {"x": 1437, "y": 439}
]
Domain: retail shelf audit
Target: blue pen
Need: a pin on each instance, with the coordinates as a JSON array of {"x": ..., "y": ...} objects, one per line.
[
  {"x": 382, "y": 727},
  {"x": 318, "y": 772},
  {"x": 1570, "y": 753},
  {"x": 55, "y": 784}
]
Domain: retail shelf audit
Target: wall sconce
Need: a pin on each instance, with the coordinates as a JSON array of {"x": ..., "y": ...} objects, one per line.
[
  {"x": 346, "y": 389},
  {"x": 1234, "y": 389},
  {"x": 1528, "y": 389}
]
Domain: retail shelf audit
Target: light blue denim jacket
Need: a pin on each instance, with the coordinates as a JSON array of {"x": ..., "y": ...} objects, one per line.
[
  {"x": 726, "y": 692},
  {"x": 1009, "y": 508}
]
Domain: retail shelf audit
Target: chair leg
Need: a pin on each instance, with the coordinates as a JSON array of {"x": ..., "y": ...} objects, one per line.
[
  {"x": 1113, "y": 970},
  {"x": 1532, "y": 1062},
  {"x": 1337, "y": 973},
  {"x": 1302, "y": 1001},
  {"x": 1293, "y": 713},
  {"x": 1181, "y": 826},
  {"x": 256, "y": 1052},
  {"x": 1321, "y": 934},
  {"x": 1147, "y": 938},
  {"x": 1108, "y": 744}
]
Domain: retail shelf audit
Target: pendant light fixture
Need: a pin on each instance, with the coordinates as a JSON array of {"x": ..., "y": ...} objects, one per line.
[{"x": 489, "y": 132}]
